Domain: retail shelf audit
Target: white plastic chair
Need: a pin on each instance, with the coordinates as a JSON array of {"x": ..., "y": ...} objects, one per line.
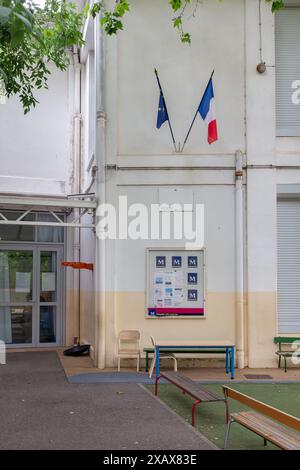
[
  {"x": 162, "y": 355},
  {"x": 2, "y": 352},
  {"x": 129, "y": 346}
]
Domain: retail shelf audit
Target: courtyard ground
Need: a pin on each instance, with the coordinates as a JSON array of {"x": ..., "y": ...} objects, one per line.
[
  {"x": 49, "y": 401},
  {"x": 211, "y": 416},
  {"x": 40, "y": 409}
]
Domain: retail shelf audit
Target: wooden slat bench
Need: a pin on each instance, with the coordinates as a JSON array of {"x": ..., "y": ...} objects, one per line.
[
  {"x": 148, "y": 351},
  {"x": 266, "y": 421},
  {"x": 188, "y": 386},
  {"x": 285, "y": 353}
]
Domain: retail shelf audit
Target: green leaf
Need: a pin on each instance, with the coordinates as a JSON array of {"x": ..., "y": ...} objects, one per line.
[
  {"x": 24, "y": 20},
  {"x": 48, "y": 33},
  {"x": 4, "y": 15},
  {"x": 17, "y": 37},
  {"x": 185, "y": 38},
  {"x": 177, "y": 22},
  {"x": 175, "y": 4}
]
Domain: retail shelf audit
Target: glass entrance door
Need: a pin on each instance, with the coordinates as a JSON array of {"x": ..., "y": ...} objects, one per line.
[
  {"x": 30, "y": 295},
  {"x": 17, "y": 296},
  {"x": 49, "y": 296}
]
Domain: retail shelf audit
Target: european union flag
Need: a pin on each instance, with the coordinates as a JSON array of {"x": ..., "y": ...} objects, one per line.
[{"x": 162, "y": 115}]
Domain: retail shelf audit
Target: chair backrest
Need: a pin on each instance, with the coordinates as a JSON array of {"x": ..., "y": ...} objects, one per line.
[
  {"x": 263, "y": 408},
  {"x": 130, "y": 338}
]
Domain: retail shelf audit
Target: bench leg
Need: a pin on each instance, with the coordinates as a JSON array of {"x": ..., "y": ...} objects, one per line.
[
  {"x": 279, "y": 361},
  {"x": 227, "y": 410},
  {"x": 156, "y": 385},
  {"x": 197, "y": 402},
  {"x": 229, "y": 423},
  {"x": 265, "y": 442}
]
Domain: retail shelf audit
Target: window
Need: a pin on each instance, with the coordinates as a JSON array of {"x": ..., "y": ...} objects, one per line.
[
  {"x": 17, "y": 233},
  {"x": 287, "y": 43},
  {"x": 288, "y": 283},
  {"x": 49, "y": 234},
  {"x": 31, "y": 233}
]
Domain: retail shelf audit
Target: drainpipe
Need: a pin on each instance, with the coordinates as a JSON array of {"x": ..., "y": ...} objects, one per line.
[
  {"x": 239, "y": 262},
  {"x": 77, "y": 120},
  {"x": 100, "y": 298}
]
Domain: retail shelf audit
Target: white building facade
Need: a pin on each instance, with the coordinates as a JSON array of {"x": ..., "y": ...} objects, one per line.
[{"x": 93, "y": 139}]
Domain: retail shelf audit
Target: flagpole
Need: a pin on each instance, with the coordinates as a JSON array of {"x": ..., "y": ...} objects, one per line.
[
  {"x": 191, "y": 126},
  {"x": 162, "y": 93}
]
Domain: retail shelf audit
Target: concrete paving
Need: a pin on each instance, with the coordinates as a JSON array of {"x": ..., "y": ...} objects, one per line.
[
  {"x": 77, "y": 366},
  {"x": 39, "y": 409}
]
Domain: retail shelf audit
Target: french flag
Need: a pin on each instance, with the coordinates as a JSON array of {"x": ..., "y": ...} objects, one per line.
[{"x": 207, "y": 112}]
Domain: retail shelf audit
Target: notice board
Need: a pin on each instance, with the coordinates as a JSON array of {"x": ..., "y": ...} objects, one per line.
[{"x": 175, "y": 283}]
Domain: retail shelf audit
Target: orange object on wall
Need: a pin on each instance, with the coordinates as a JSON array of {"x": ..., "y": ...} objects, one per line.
[{"x": 77, "y": 265}]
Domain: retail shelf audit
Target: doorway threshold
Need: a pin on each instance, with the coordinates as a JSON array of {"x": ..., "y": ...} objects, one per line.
[{"x": 34, "y": 349}]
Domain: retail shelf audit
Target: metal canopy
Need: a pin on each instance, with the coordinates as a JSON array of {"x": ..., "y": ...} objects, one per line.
[{"x": 82, "y": 203}]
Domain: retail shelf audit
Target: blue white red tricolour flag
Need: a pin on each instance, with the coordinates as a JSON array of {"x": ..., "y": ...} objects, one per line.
[{"x": 207, "y": 112}]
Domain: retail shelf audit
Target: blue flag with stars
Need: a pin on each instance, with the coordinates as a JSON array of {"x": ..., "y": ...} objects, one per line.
[{"x": 162, "y": 115}]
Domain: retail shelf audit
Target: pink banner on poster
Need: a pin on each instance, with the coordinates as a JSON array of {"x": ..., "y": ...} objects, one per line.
[{"x": 177, "y": 311}]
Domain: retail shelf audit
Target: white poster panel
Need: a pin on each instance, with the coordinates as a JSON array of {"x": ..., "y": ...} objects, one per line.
[
  {"x": 175, "y": 283},
  {"x": 23, "y": 282},
  {"x": 48, "y": 282}
]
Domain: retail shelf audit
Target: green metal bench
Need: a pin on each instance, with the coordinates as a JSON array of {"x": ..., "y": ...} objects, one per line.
[
  {"x": 148, "y": 351},
  {"x": 285, "y": 353}
]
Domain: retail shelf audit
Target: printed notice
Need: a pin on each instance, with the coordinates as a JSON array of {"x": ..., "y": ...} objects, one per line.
[
  {"x": 23, "y": 282},
  {"x": 48, "y": 282},
  {"x": 158, "y": 297},
  {"x": 168, "y": 297},
  {"x": 178, "y": 297},
  {"x": 159, "y": 278},
  {"x": 169, "y": 279},
  {"x": 178, "y": 279}
]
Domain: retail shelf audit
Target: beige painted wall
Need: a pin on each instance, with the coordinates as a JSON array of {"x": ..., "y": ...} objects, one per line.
[
  {"x": 219, "y": 323},
  {"x": 145, "y": 162}
]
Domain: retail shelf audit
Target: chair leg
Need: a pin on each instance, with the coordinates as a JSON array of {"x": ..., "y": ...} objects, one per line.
[
  {"x": 152, "y": 365},
  {"x": 285, "y": 368},
  {"x": 279, "y": 361},
  {"x": 227, "y": 433},
  {"x": 265, "y": 442},
  {"x": 138, "y": 364},
  {"x": 175, "y": 364},
  {"x": 119, "y": 364}
]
